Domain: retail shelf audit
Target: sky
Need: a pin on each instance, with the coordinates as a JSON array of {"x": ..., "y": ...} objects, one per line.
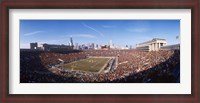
[{"x": 121, "y": 32}]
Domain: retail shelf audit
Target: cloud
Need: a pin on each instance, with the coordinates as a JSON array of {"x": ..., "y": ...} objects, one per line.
[
  {"x": 93, "y": 29},
  {"x": 83, "y": 35},
  {"x": 32, "y": 33},
  {"x": 138, "y": 30},
  {"x": 108, "y": 26}
]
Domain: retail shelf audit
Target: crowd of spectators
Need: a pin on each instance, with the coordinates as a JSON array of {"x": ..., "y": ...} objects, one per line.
[{"x": 133, "y": 66}]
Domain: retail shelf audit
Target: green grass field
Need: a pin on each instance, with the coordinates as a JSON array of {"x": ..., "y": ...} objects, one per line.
[{"x": 89, "y": 64}]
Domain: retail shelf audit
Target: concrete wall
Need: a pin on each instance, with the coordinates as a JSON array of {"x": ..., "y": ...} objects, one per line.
[{"x": 171, "y": 47}]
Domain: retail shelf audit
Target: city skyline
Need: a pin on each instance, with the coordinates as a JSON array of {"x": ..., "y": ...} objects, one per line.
[{"x": 121, "y": 32}]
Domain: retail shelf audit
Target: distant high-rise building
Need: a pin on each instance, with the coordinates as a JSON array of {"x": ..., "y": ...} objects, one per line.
[
  {"x": 71, "y": 42},
  {"x": 92, "y": 46},
  {"x": 110, "y": 42},
  {"x": 130, "y": 47},
  {"x": 83, "y": 47},
  {"x": 111, "y": 45},
  {"x": 76, "y": 46},
  {"x": 96, "y": 46},
  {"x": 80, "y": 47}
]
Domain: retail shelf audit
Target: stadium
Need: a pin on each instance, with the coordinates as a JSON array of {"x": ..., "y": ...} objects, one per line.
[
  {"x": 100, "y": 66},
  {"x": 100, "y": 51}
]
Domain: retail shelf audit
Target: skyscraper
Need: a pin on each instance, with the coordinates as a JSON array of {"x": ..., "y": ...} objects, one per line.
[
  {"x": 110, "y": 43},
  {"x": 76, "y": 46},
  {"x": 71, "y": 42},
  {"x": 92, "y": 46}
]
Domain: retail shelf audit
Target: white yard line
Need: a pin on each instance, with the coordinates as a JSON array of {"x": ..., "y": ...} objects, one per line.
[{"x": 104, "y": 65}]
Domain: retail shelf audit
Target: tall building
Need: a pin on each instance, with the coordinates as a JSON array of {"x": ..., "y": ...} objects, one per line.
[
  {"x": 33, "y": 45},
  {"x": 92, "y": 46},
  {"x": 152, "y": 45},
  {"x": 111, "y": 45},
  {"x": 97, "y": 46},
  {"x": 76, "y": 46},
  {"x": 71, "y": 41},
  {"x": 110, "y": 42},
  {"x": 130, "y": 47}
]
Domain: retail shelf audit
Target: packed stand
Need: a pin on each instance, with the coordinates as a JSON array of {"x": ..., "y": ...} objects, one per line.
[{"x": 133, "y": 66}]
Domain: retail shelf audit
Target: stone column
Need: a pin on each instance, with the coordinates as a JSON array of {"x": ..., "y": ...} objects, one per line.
[
  {"x": 156, "y": 46},
  {"x": 152, "y": 46}
]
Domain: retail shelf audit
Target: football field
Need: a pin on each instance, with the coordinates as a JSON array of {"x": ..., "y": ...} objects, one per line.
[{"x": 89, "y": 64}]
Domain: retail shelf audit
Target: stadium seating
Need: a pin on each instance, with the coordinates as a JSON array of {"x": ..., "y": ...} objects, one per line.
[{"x": 133, "y": 67}]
